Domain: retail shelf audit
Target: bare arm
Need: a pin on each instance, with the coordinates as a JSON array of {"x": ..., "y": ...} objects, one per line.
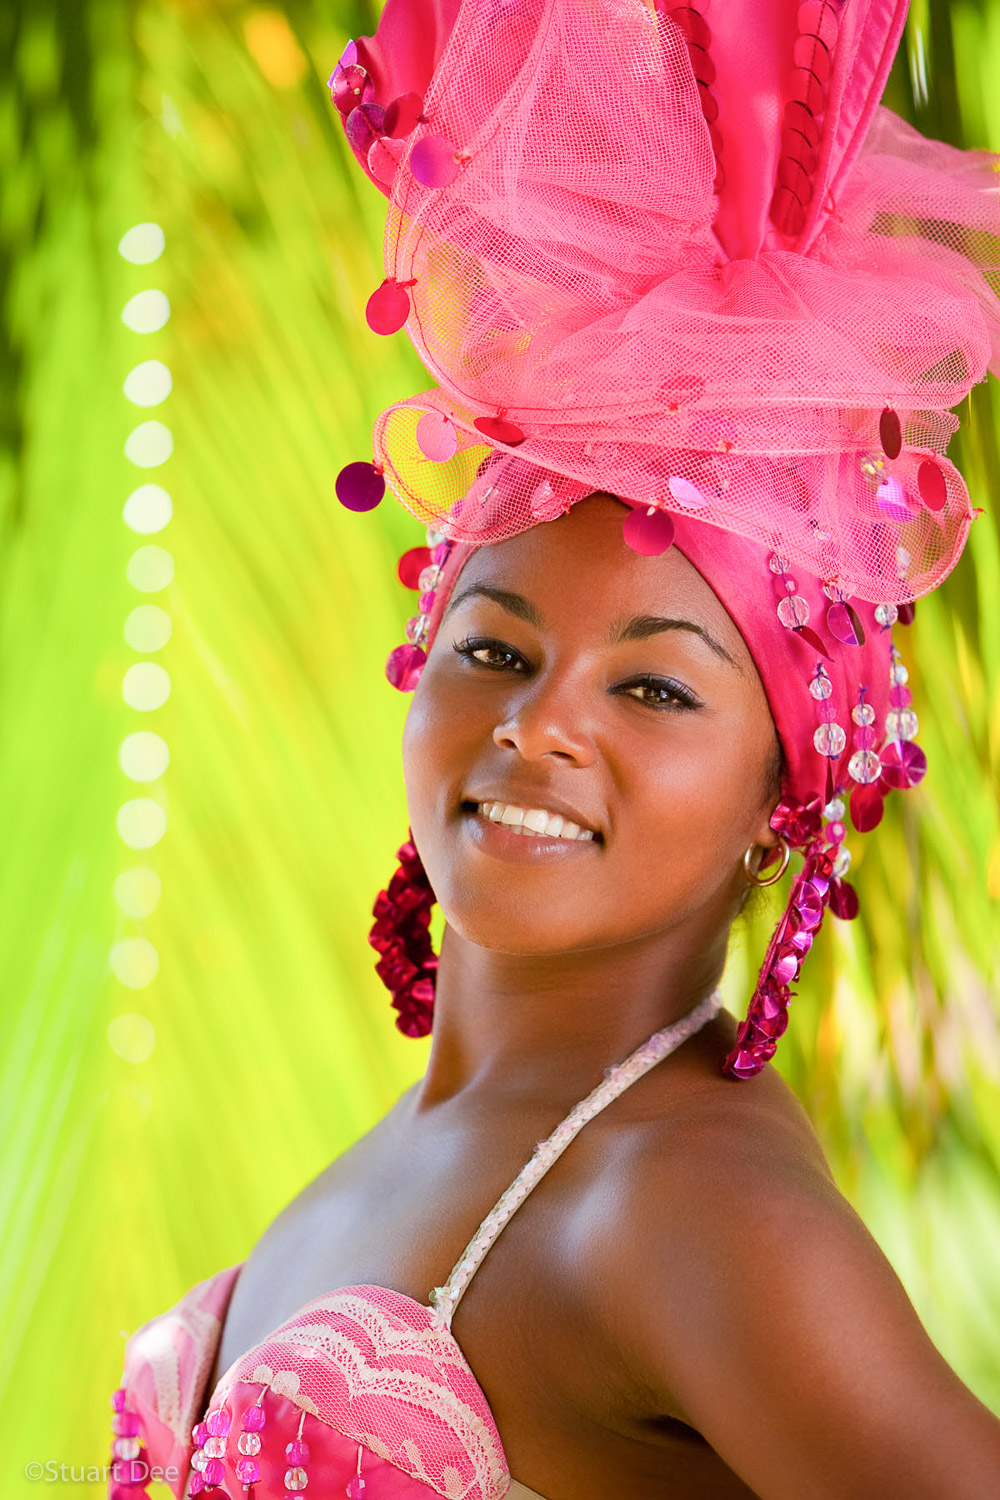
[{"x": 761, "y": 1312}]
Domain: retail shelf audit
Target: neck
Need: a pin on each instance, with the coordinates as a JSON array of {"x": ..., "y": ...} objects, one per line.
[{"x": 541, "y": 1028}]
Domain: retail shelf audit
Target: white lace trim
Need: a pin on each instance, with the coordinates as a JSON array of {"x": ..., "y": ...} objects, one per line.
[{"x": 396, "y": 1382}]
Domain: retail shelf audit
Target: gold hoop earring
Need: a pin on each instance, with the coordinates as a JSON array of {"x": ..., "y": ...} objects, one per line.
[{"x": 775, "y": 876}]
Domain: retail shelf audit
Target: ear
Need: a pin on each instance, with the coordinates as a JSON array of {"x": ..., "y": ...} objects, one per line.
[{"x": 765, "y": 838}]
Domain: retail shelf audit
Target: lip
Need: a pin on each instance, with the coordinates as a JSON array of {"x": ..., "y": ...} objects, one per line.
[
  {"x": 500, "y": 841},
  {"x": 513, "y": 796}
]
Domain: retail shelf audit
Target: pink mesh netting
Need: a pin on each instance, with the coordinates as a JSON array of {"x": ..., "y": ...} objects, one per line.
[{"x": 602, "y": 273}]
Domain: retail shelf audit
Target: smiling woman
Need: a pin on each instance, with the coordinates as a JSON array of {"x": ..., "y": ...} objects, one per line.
[
  {"x": 686, "y": 471},
  {"x": 571, "y": 675}
]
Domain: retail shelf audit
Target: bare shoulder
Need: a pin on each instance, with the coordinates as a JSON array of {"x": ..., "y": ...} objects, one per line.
[{"x": 749, "y": 1301}]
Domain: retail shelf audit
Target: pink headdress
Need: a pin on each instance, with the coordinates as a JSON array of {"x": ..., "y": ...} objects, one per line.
[{"x": 698, "y": 268}]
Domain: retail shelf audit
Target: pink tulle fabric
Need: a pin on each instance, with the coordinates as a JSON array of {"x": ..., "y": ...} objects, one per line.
[
  {"x": 603, "y": 273},
  {"x": 360, "y": 1368}
]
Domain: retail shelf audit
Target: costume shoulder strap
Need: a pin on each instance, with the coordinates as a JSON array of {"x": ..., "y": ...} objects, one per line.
[{"x": 616, "y": 1080}]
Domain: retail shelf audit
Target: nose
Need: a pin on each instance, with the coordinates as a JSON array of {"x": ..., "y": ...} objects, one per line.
[{"x": 546, "y": 721}]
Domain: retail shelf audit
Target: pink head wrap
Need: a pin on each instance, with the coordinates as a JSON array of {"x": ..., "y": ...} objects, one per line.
[
  {"x": 695, "y": 266},
  {"x": 821, "y": 691}
]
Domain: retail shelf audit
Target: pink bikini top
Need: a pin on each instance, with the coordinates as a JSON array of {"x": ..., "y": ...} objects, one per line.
[{"x": 362, "y": 1393}]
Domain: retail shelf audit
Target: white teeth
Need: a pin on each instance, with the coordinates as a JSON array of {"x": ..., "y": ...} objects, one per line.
[{"x": 535, "y": 822}]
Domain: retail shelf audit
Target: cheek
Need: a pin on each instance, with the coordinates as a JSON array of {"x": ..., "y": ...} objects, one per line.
[
  {"x": 421, "y": 739},
  {"x": 704, "y": 797},
  {"x": 437, "y": 736}
]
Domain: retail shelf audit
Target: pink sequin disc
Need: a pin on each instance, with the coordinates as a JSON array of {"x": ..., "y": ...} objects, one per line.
[
  {"x": 843, "y": 900},
  {"x": 866, "y": 808},
  {"x": 388, "y": 307},
  {"x": 403, "y": 115},
  {"x": 437, "y": 437},
  {"x": 842, "y": 621},
  {"x": 812, "y": 640},
  {"x": 932, "y": 485},
  {"x": 359, "y": 487},
  {"x": 819, "y": 18},
  {"x": 903, "y": 764},
  {"x": 384, "y": 156},
  {"x": 890, "y": 433},
  {"x": 433, "y": 162},
  {"x": 648, "y": 534},
  {"x": 351, "y": 86},
  {"x": 499, "y": 431},
  {"x": 687, "y": 495},
  {"x": 403, "y": 667},
  {"x": 411, "y": 565}
]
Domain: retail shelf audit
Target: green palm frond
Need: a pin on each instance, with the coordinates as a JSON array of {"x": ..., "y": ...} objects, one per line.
[{"x": 154, "y": 1128}]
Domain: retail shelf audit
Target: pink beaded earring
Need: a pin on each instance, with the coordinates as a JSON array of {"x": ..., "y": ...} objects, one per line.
[{"x": 407, "y": 963}]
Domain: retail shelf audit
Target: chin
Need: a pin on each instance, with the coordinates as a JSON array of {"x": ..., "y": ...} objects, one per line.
[{"x": 513, "y": 930}]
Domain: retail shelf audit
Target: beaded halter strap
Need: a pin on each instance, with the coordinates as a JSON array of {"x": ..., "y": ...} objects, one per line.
[{"x": 445, "y": 1299}]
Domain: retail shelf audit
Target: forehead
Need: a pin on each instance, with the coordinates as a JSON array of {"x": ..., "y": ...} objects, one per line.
[{"x": 579, "y": 569}]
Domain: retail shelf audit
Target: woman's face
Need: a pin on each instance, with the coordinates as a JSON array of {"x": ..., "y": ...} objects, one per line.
[{"x": 572, "y": 675}]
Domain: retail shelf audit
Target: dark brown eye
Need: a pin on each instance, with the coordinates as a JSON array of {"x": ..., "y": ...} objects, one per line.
[
  {"x": 487, "y": 652},
  {"x": 661, "y": 692}
]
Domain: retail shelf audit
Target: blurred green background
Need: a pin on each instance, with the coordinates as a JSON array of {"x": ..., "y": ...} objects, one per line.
[{"x": 191, "y": 1028}]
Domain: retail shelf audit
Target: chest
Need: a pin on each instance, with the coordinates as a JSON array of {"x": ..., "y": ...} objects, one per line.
[{"x": 398, "y": 1210}]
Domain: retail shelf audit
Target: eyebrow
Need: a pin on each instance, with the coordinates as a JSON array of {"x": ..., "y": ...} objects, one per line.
[
  {"x": 639, "y": 628},
  {"x": 514, "y": 604}
]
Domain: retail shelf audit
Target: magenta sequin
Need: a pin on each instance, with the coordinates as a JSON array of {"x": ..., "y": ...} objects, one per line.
[
  {"x": 498, "y": 430},
  {"x": 866, "y": 807},
  {"x": 434, "y": 161},
  {"x": 363, "y": 127},
  {"x": 806, "y": 634},
  {"x": 932, "y": 485},
  {"x": 388, "y": 307},
  {"x": 403, "y": 115},
  {"x": 904, "y": 764},
  {"x": 359, "y": 486},
  {"x": 403, "y": 667},
  {"x": 411, "y": 565},
  {"x": 407, "y": 964},
  {"x": 890, "y": 433},
  {"x": 799, "y": 822},
  {"x": 349, "y": 87},
  {"x": 843, "y": 900},
  {"x": 648, "y": 531},
  {"x": 843, "y": 622}
]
